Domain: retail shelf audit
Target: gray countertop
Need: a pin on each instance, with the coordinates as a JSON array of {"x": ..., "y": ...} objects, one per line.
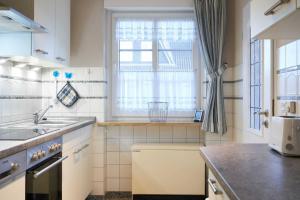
[
  {"x": 9, "y": 147},
  {"x": 254, "y": 171}
]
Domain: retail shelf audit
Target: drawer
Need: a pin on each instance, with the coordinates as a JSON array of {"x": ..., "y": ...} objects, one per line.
[
  {"x": 75, "y": 138},
  {"x": 215, "y": 191}
]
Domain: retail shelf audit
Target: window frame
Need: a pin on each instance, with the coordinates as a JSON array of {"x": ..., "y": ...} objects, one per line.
[
  {"x": 247, "y": 88},
  {"x": 115, "y": 59}
]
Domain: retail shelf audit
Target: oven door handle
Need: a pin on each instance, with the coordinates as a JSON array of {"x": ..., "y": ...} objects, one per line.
[{"x": 36, "y": 175}]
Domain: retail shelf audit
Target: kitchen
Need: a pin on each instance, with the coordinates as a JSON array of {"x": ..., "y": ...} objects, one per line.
[{"x": 126, "y": 99}]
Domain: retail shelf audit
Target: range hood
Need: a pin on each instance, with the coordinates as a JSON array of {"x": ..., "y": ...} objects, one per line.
[{"x": 12, "y": 20}]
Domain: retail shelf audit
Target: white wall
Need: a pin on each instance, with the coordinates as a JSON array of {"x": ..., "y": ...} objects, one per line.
[
  {"x": 148, "y": 5},
  {"x": 87, "y": 33}
]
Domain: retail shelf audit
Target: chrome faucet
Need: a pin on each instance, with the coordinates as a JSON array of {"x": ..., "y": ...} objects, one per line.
[{"x": 38, "y": 116}]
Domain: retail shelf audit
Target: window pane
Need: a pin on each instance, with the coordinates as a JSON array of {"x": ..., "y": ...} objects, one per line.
[
  {"x": 171, "y": 79},
  {"x": 257, "y": 97},
  {"x": 257, "y": 51},
  {"x": 126, "y": 44},
  {"x": 252, "y": 97},
  {"x": 257, "y": 74},
  {"x": 126, "y": 56},
  {"x": 135, "y": 60},
  {"x": 255, "y": 84}
]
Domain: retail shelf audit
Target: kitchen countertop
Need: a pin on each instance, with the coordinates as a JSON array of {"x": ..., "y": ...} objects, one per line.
[
  {"x": 253, "y": 171},
  {"x": 10, "y": 147}
]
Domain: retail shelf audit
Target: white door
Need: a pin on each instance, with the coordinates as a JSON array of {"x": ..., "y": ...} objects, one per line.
[{"x": 258, "y": 81}]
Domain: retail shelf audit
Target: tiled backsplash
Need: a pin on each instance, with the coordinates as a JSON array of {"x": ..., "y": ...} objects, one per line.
[
  {"x": 91, "y": 85},
  {"x": 20, "y": 92}
]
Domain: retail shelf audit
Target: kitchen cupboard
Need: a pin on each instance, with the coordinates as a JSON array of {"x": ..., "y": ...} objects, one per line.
[
  {"x": 62, "y": 31},
  {"x": 14, "y": 190},
  {"x": 43, "y": 43},
  {"x": 76, "y": 170},
  {"x": 215, "y": 191},
  {"x": 275, "y": 19},
  {"x": 54, "y": 45}
]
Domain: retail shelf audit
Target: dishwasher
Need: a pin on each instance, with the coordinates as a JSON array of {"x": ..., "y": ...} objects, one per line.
[{"x": 167, "y": 171}]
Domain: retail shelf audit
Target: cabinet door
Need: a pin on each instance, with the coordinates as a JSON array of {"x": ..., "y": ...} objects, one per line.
[
  {"x": 71, "y": 178},
  {"x": 14, "y": 190},
  {"x": 86, "y": 168},
  {"x": 260, "y": 22},
  {"x": 43, "y": 43},
  {"x": 62, "y": 31}
]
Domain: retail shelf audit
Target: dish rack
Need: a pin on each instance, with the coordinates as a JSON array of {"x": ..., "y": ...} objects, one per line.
[{"x": 158, "y": 111}]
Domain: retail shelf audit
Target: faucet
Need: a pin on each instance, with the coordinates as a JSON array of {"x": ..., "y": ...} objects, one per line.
[{"x": 39, "y": 115}]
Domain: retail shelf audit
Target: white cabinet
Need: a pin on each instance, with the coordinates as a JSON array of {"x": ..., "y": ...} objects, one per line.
[
  {"x": 270, "y": 19},
  {"x": 167, "y": 169},
  {"x": 54, "y": 45},
  {"x": 215, "y": 191},
  {"x": 62, "y": 31},
  {"x": 43, "y": 43},
  {"x": 76, "y": 170},
  {"x": 14, "y": 190}
]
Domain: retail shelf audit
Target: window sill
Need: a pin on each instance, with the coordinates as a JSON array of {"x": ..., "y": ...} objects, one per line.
[{"x": 132, "y": 123}]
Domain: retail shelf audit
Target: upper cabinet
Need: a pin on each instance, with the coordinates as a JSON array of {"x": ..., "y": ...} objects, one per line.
[
  {"x": 43, "y": 43},
  {"x": 275, "y": 19},
  {"x": 62, "y": 31},
  {"x": 54, "y": 45},
  {"x": 51, "y": 45}
]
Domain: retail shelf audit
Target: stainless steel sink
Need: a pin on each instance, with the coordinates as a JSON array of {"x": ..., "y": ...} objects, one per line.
[{"x": 44, "y": 124}]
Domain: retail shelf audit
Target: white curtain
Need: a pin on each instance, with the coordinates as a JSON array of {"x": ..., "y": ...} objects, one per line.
[{"x": 155, "y": 63}]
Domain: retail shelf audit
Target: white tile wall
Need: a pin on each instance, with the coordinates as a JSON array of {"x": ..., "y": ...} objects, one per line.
[
  {"x": 99, "y": 157},
  {"x": 119, "y": 142},
  {"x": 87, "y": 82},
  {"x": 27, "y": 90}
]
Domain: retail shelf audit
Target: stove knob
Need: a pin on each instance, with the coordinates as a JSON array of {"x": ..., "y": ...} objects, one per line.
[
  {"x": 59, "y": 146},
  {"x": 40, "y": 154},
  {"x": 56, "y": 147},
  {"x": 14, "y": 166},
  {"x": 34, "y": 157},
  {"x": 51, "y": 148},
  {"x": 43, "y": 153}
]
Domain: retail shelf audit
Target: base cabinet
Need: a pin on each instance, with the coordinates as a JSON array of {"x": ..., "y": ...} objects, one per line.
[
  {"x": 215, "y": 191},
  {"x": 14, "y": 190},
  {"x": 76, "y": 170}
]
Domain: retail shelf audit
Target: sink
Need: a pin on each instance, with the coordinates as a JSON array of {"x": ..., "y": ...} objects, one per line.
[
  {"x": 44, "y": 124},
  {"x": 57, "y": 122}
]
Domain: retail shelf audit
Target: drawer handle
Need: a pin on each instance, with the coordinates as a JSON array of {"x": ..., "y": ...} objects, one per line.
[
  {"x": 82, "y": 148},
  {"x": 271, "y": 11},
  {"x": 41, "y": 51},
  {"x": 212, "y": 184},
  {"x": 60, "y": 59}
]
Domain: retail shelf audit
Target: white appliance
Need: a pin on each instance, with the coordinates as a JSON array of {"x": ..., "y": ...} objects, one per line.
[
  {"x": 167, "y": 169},
  {"x": 285, "y": 135}
]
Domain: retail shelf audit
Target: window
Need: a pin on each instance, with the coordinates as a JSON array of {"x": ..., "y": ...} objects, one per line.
[
  {"x": 255, "y": 83},
  {"x": 154, "y": 61}
]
